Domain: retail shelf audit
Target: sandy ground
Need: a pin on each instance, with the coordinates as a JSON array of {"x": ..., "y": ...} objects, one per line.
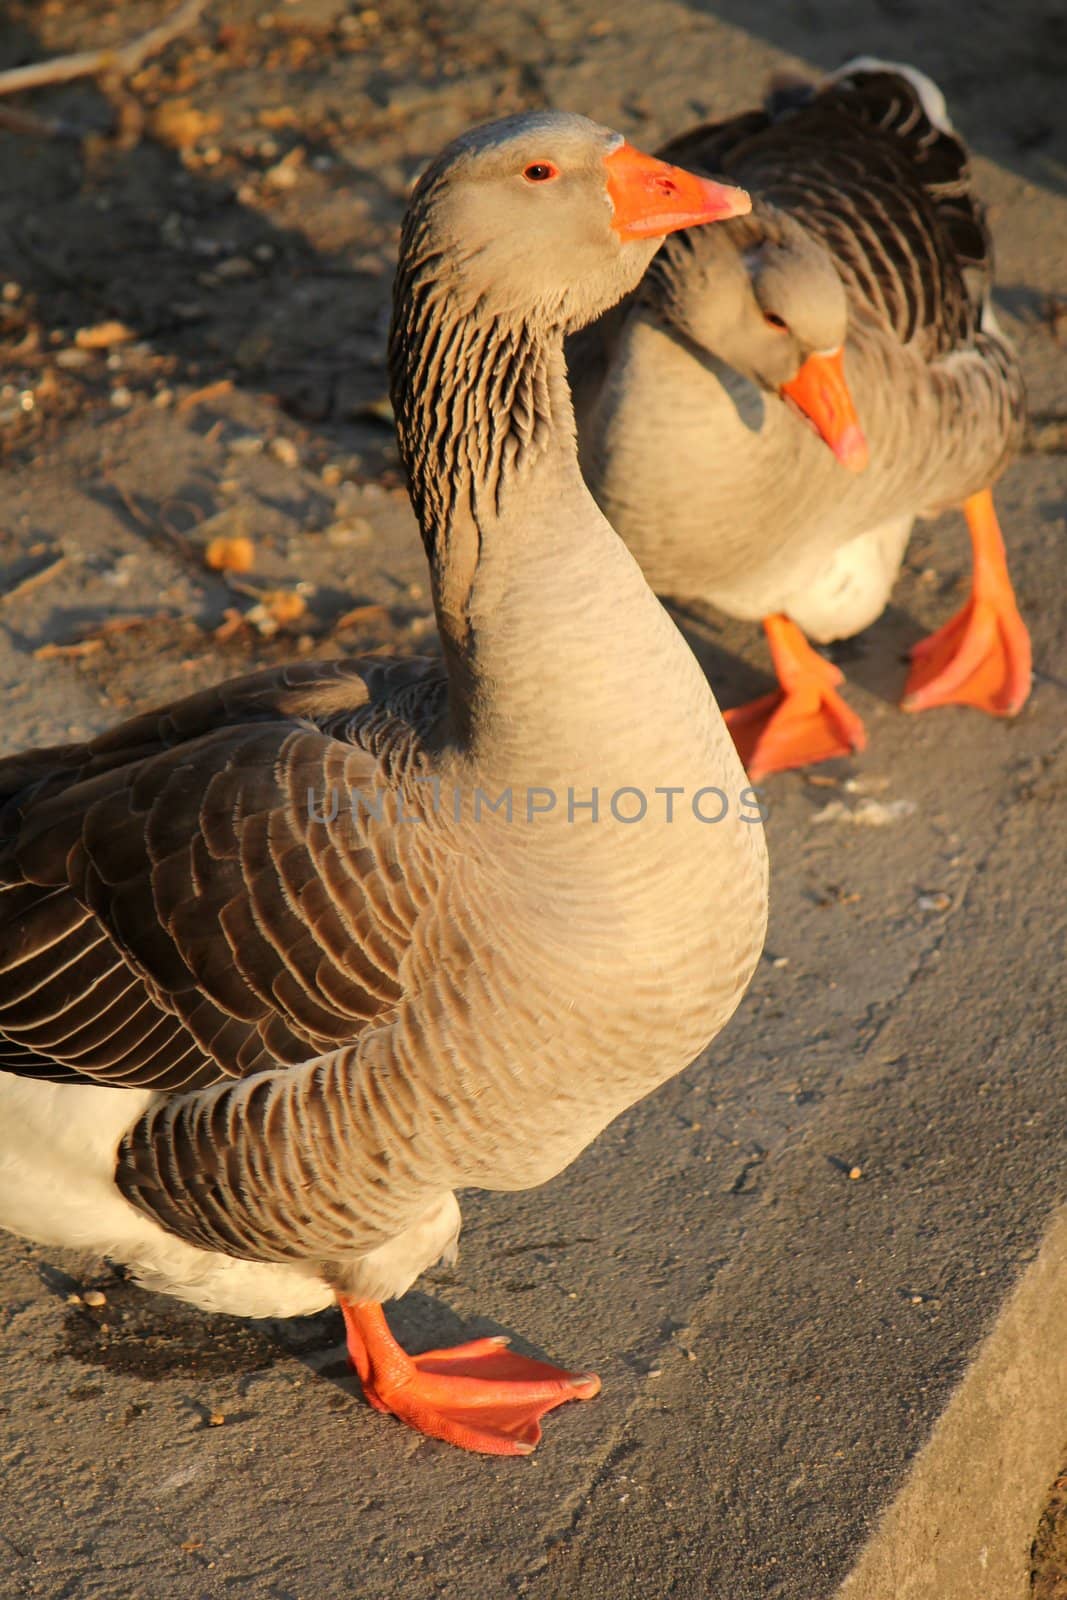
[{"x": 776, "y": 1338}]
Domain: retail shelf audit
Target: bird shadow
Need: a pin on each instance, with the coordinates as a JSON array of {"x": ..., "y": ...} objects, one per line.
[{"x": 874, "y": 660}]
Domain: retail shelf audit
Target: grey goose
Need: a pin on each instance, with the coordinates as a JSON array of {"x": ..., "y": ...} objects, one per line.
[
  {"x": 851, "y": 308},
  {"x": 285, "y": 964}
]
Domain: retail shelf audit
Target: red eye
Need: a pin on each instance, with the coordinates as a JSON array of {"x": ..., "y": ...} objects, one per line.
[
  {"x": 540, "y": 172},
  {"x": 773, "y": 320}
]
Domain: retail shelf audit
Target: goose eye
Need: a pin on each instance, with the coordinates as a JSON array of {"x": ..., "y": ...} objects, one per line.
[
  {"x": 773, "y": 320},
  {"x": 540, "y": 172}
]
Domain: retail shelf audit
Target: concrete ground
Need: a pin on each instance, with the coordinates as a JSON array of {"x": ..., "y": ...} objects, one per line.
[{"x": 819, "y": 1273}]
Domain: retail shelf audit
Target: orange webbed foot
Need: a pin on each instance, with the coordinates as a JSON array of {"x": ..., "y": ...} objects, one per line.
[
  {"x": 480, "y": 1396},
  {"x": 803, "y": 722},
  {"x": 980, "y": 657}
]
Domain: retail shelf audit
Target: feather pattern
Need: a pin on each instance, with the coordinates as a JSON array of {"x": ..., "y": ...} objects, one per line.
[{"x": 198, "y": 911}]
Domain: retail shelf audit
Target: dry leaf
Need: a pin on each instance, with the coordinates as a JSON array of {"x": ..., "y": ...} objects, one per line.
[
  {"x": 232, "y": 624},
  {"x": 210, "y": 391},
  {"x": 278, "y": 117},
  {"x": 179, "y": 124},
  {"x": 230, "y": 554},
  {"x": 102, "y": 335},
  {"x": 61, "y": 652},
  {"x": 359, "y": 615},
  {"x": 277, "y": 609}
]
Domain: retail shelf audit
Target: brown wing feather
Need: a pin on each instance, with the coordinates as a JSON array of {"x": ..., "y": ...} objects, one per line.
[{"x": 171, "y": 911}]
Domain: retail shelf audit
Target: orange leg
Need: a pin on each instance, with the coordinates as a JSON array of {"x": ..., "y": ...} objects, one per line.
[
  {"x": 480, "y": 1396},
  {"x": 805, "y": 720},
  {"x": 982, "y": 656}
]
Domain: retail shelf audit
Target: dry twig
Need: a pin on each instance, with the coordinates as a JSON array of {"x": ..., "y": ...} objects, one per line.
[
  {"x": 33, "y": 579},
  {"x": 37, "y": 127},
  {"x": 116, "y": 61}
]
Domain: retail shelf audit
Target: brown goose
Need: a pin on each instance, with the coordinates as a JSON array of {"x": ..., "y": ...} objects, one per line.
[
  {"x": 285, "y": 964},
  {"x": 865, "y": 255}
]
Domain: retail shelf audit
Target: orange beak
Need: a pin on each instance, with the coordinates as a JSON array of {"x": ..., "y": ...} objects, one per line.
[
  {"x": 651, "y": 198},
  {"x": 820, "y": 392}
]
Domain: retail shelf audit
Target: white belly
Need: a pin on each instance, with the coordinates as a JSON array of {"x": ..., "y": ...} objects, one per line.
[
  {"x": 57, "y": 1160},
  {"x": 854, "y": 588}
]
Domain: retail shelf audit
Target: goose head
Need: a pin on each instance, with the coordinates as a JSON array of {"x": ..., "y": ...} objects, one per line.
[
  {"x": 765, "y": 297},
  {"x": 547, "y": 217}
]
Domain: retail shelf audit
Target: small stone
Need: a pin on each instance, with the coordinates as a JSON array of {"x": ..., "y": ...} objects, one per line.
[
  {"x": 855, "y": 1173},
  {"x": 235, "y": 267},
  {"x": 285, "y": 451},
  {"x": 349, "y": 531},
  {"x": 938, "y": 900},
  {"x": 73, "y": 358},
  {"x": 916, "y": 1299},
  {"x": 216, "y": 1419},
  {"x": 11, "y": 292},
  {"x": 331, "y": 474},
  {"x": 94, "y": 1297},
  {"x": 285, "y": 174},
  {"x": 121, "y": 397},
  {"x": 74, "y": 1300}
]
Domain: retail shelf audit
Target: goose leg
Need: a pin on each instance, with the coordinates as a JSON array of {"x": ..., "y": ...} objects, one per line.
[
  {"x": 480, "y": 1396},
  {"x": 805, "y": 720},
  {"x": 982, "y": 656}
]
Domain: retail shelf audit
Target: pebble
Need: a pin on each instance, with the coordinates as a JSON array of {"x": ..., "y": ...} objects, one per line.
[
  {"x": 348, "y": 532},
  {"x": 121, "y": 397},
  {"x": 94, "y": 1297},
  {"x": 937, "y": 901},
  {"x": 868, "y": 814},
  {"x": 285, "y": 451},
  {"x": 855, "y": 1173},
  {"x": 247, "y": 444},
  {"x": 235, "y": 267}
]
